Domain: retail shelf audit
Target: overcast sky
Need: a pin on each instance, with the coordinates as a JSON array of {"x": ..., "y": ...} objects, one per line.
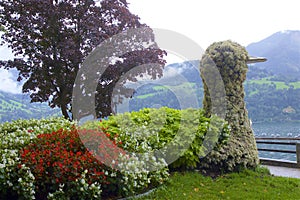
[{"x": 208, "y": 21}]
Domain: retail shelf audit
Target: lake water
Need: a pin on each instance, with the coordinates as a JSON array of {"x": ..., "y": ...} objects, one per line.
[{"x": 278, "y": 129}]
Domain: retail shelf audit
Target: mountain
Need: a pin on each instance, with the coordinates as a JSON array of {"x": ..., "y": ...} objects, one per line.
[
  {"x": 282, "y": 49},
  {"x": 180, "y": 87},
  {"x": 18, "y": 106},
  {"x": 272, "y": 88},
  {"x": 12, "y": 104}
]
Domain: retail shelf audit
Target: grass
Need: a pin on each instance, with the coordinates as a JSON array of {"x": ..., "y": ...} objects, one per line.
[
  {"x": 295, "y": 84},
  {"x": 185, "y": 87},
  {"x": 279, "y": 84},
  {"x": 145, "y": 96},
  {"x": 248, "y": 184},
  {"x": 158, "y": 87}
]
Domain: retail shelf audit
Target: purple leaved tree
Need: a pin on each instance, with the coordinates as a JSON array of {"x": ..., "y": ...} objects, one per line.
[{"x": 51, "y": 39}]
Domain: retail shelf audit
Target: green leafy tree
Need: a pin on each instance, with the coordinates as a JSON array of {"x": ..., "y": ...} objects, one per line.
[{"x": 51, "y": 38}]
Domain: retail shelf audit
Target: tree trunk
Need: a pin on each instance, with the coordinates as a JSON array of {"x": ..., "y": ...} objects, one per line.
[{"x": 64, "y": 111}]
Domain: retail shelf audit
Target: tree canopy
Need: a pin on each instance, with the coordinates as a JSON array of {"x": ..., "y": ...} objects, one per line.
[{"x": 50, "y": 40}]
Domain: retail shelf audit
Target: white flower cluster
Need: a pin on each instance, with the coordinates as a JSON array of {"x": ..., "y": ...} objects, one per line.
[
  {"x": 25, "y": 185},
  {"x": 13, "y": 137},
  {"x": 21, "y": 180},
  {"x": 140, "y": 137},
  {"x": 17, "y": 139},
  {"x": 19, "y": 133},
  {"x": 137, "y": 172},
  {"x": 80, "y": 188}
]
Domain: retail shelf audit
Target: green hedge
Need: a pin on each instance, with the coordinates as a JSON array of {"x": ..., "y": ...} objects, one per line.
[{"x": 152, "y": 129}]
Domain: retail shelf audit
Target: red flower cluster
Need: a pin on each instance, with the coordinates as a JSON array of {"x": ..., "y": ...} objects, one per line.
[
  {"x": 102, "y": 146},
  {"x": 61, "y": 157}
]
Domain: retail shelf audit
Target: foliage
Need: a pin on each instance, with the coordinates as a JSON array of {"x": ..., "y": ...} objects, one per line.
[
  {"x": 19, "y": 133},
  {"x": 63, "y": 162},
  {"x": 80, "y": 189},
  {"x": 138, "y": 175},
  {"x": 52, "y": 38},
  {"x": 59, "y": 158},
  {"x": 2, "y": 29},
  {"x": 13, "y": 137},
  {"x": 152, "y": 129},
  {"x": 257, "y": 184}
]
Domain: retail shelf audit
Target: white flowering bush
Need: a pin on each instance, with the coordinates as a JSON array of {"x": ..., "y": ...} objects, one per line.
[
  {"x": 80, "y": 189},
  {"x": 138, "y": 174},
  {"x": 19, "y": 133},
  {"x": 16, "y": 179}
]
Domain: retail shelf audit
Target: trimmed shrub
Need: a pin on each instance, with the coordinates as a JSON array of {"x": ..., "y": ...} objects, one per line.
[{"x": 152, "y": 129}]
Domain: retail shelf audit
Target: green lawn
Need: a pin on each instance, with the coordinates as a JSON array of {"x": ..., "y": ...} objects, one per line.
[{"x": 244, "y": 185}]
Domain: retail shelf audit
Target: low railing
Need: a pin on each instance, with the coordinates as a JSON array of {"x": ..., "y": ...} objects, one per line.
[{"x": 280, "y": 141}]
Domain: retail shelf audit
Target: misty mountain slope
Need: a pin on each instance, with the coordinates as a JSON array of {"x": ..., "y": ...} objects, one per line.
[
  {"x": 282, "y": 49},
  {"x": 16, "y": 106}
]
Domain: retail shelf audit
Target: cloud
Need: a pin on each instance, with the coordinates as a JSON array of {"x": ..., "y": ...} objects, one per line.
[
  {"x": 5, "y": 52},
  {"x": 8, "y": 82}
]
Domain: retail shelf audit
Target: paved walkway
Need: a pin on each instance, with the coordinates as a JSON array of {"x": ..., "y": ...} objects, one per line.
[{"x": 284, "y": 171}]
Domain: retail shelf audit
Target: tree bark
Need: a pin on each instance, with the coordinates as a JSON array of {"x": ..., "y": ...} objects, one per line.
[{"x": 64, "y": 111}]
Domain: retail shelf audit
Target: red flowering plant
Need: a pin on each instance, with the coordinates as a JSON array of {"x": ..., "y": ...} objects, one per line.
[
  {"x": 102, "y": 146},
  {"x": 60, "y": 158}
]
